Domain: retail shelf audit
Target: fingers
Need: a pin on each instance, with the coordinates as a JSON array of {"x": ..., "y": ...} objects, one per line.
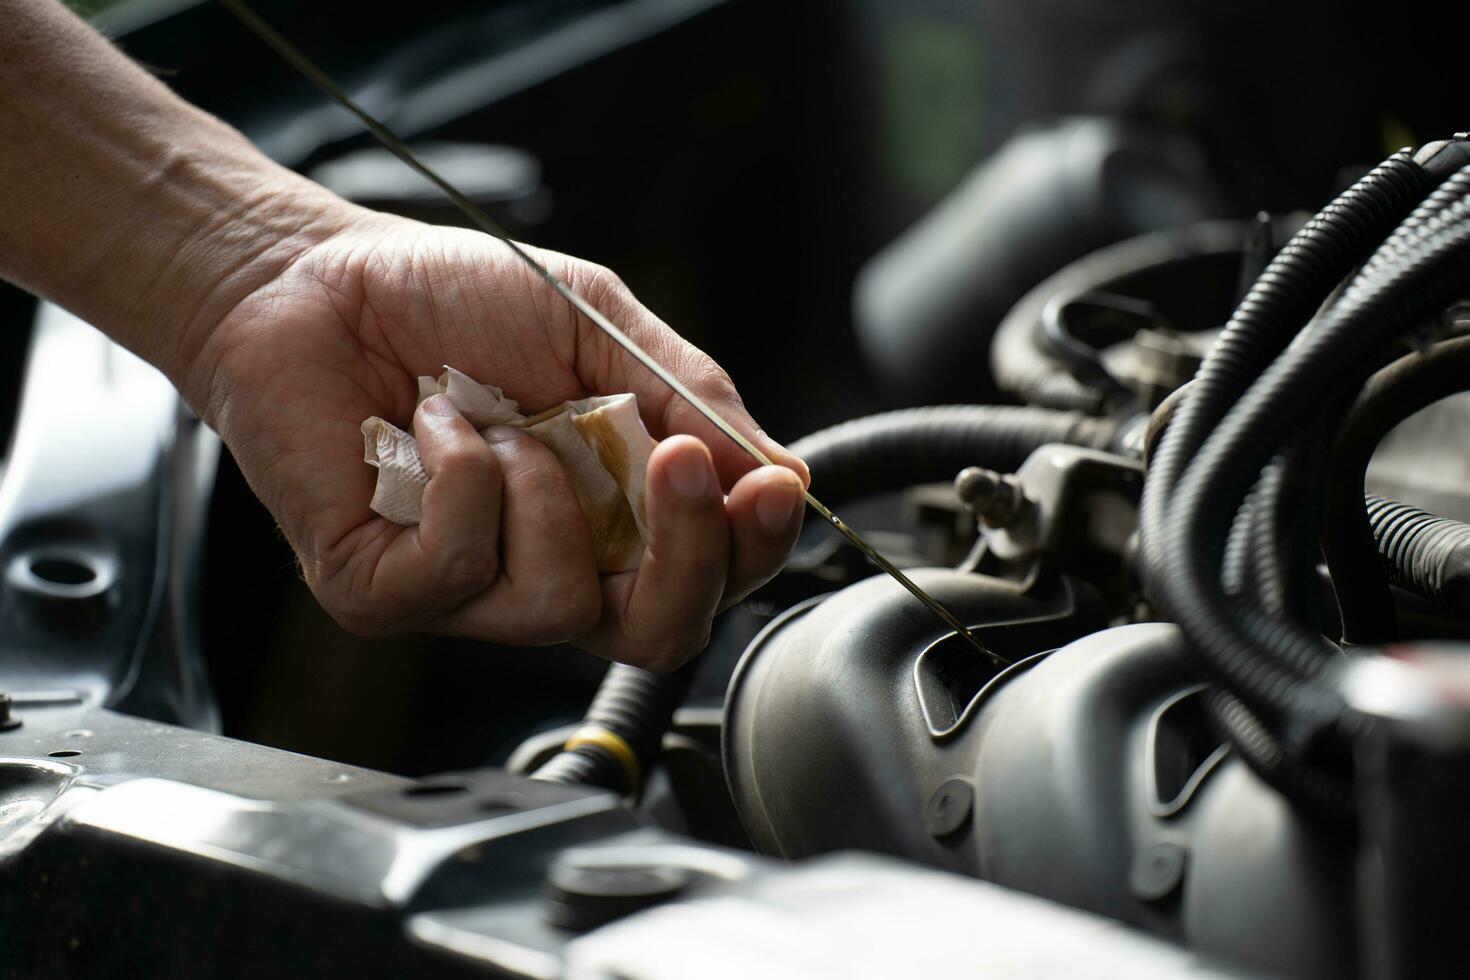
[
  {"x": 705, "y": 554},
  {"x": 714, "y": 387},
  {"x": 454, "y": 552},
  {"x": 659, "y": 616},
  {"x": 502, "y": 551},
  {"x": 765, "y": 510},
  {"x": 610, "y": 368},
  {"x": 548, "y": 589}
]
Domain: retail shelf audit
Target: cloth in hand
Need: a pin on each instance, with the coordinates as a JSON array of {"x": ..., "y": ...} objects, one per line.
[{"x": 600, "y": 442}]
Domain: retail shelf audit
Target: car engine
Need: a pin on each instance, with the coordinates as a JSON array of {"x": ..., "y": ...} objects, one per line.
[{"x": 1211, "y": 527}]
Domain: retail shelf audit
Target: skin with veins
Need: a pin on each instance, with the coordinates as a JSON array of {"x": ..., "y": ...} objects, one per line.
[{"x": 286, "y": 316}]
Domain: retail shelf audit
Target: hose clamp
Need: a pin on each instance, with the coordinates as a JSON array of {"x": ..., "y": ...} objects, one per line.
[{"x": 615, "y": 745}]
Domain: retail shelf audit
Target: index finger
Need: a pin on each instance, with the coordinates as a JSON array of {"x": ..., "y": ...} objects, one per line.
[{"x": 606, "y": 367}]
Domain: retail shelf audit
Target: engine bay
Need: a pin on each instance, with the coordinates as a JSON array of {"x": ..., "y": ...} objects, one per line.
[{"x": 1193, "y": 480}]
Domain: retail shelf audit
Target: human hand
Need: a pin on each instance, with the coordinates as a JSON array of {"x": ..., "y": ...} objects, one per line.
[
  {"x": 503, "y": 553},
  {"x": 287, "y": 316}
]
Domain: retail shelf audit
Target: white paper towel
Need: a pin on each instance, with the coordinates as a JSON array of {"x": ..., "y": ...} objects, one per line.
[{"x": 600, "y": 442}]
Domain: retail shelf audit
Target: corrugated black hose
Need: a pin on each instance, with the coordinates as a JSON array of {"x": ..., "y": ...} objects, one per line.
[
  {"x": 1409, "y": 384},
  {"x": 1419, "y": 270},
  {"x": 1295, "y": 283},
  {"x": 621, "y": 734},
  {"x": 1271, "y": 549},
  {"x": 1286, "y": 294},
  {"x": 1427, "y": 554},
  {"x": 1269, "y": 566},
  {"x": 1415, "y": 273}
]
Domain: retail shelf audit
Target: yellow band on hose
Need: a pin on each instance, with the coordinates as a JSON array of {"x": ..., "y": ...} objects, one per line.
[{"x": 614, "y": 743}]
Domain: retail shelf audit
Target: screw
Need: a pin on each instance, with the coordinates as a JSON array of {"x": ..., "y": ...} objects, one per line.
[
  {"x": 996, "y": 498},
  {"x": 949, "y": 807},
  {"x": 7, "y": 720}
]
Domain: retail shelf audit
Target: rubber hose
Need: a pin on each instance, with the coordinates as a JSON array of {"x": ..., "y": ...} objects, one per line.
[
  {"x": 1059, "y": 390},
  {"x": 893, "y": 450},
  {"x": 1416, "y": 271},
  {"x": 1262, "y": 587},
  {"x": 1421, "y": 552},
  {"x": 634, "y": 705},
  {"x": 1294, "y": 284},
  {"x": 1265, "y": 528},
  {"x": 1236, "y": 574},
  {"x": 1159, "y": 419},
  {"x": 1263, "y": 681},
  {"x": 1263, "y": 754},
  {"x": 1034, "y": 376},
  {"x": 1271, "y": 662},
  {"x": 1284, "y": 545},
  {"x": 1409, "y": 384},
  {"x": 1281, "y": 300}
]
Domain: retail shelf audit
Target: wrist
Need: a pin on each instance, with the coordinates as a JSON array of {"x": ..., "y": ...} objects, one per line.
[{"x": 241, "y": 222}]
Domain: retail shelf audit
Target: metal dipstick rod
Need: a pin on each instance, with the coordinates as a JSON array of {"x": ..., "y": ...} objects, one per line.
[{"x": 484, "y": 222}]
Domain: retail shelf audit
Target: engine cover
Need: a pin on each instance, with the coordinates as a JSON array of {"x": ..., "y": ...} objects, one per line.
[{"x": 1089, "y": 775}]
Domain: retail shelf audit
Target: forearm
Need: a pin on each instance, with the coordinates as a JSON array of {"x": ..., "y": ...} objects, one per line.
[{"x": 120, "y": 201}]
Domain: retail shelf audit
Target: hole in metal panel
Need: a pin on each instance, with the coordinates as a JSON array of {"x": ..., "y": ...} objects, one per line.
[{"x": 62, "y": 571}]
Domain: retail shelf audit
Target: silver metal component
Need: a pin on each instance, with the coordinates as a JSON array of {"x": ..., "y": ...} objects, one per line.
[
  {"x": 7, "y": 720},
  {"x": 1422, "y": 691},
  {"x": 996, "y": 498}
]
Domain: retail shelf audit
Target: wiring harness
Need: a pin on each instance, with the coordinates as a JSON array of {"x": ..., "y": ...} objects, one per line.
[{"x": 1231, "y": 514}]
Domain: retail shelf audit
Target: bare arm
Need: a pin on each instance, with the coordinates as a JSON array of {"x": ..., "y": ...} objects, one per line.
[
  {"x": 124, "y": 203},
  {"x": 286, "y": 316}
]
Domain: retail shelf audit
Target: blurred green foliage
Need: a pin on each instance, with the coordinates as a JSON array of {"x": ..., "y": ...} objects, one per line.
[{"x": 933, "y": 84}]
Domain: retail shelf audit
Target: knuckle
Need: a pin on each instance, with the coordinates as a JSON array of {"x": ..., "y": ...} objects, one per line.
[
  {"x": 537, "y": 473},
  {"x": 346, "y": 601},
  {"x": 606, "y": 291},
  {"x": 704, "y": 373},
  {"x": 466, "y": 567},
  {"x": 565, "y": 611},
  {"x": 467, "y": 460},
  {"x": 603, "y": 283}
]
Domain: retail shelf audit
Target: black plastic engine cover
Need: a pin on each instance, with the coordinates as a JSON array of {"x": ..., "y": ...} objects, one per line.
[
  {"x": 826, "y": 742},
  {"x": 1089, "y": 775}
]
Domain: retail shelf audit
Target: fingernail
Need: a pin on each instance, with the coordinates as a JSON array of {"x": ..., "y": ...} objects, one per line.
[
  {"x": 689, "y": 475},
  {"x": 439, "y": 405},
  {"x": 775, "y": 506}
]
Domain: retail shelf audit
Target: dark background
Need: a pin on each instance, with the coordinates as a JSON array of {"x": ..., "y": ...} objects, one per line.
[{"x": 735, "y": 162}]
